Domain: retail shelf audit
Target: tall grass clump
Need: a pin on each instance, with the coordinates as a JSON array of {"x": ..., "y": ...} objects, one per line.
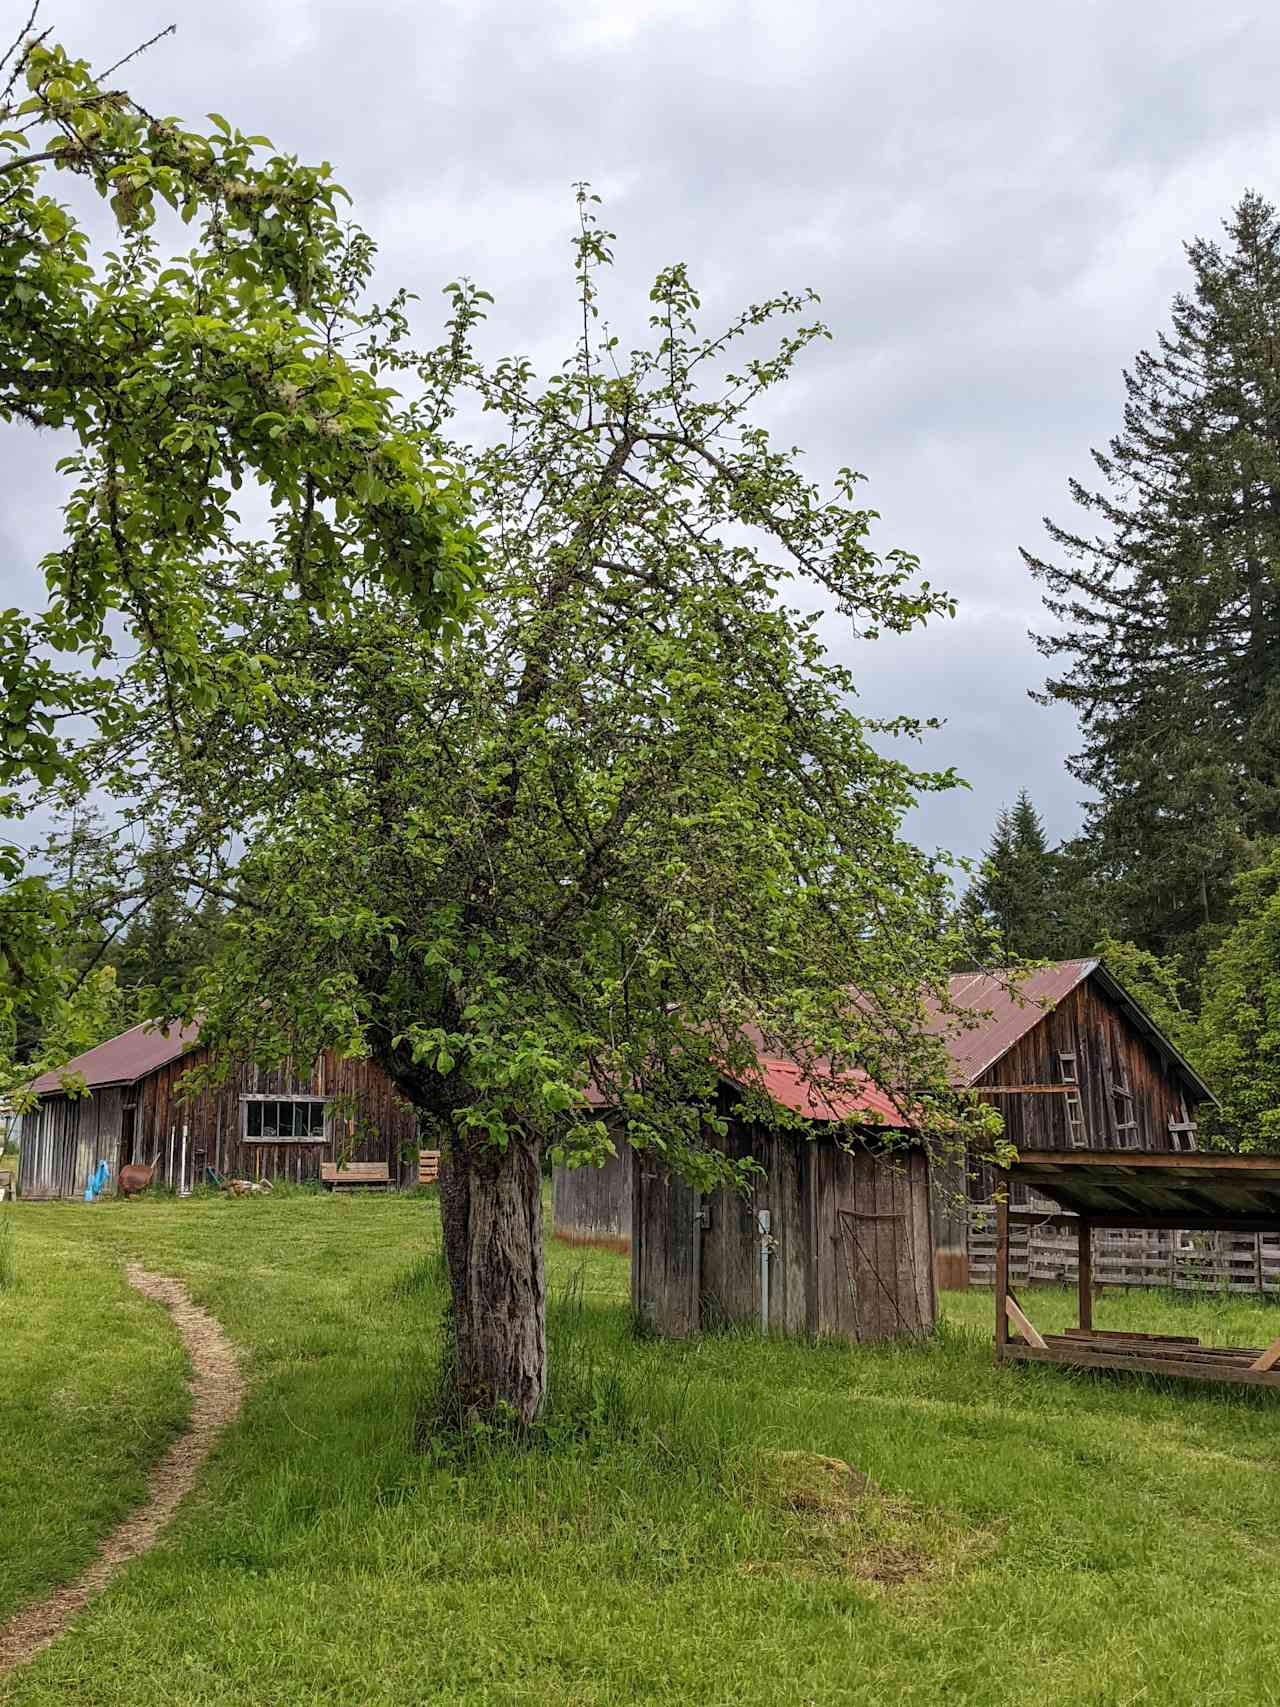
[{"x": 8, "y": 1258}]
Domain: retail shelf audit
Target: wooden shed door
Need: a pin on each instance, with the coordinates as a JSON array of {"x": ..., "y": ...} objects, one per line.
[
  {"x": 666, "y": 1249},
  {"x": 882, "y": 1246}
]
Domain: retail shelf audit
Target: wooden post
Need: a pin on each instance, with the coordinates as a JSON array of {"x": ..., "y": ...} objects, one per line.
[
  {"x": 1002, "y": 1275},
  {"x": 1084, "y": 1274}
]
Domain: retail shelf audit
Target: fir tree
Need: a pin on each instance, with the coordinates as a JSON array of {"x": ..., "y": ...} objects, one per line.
[
  {"x": 1015, "y": 897},
  {"x": 1169, "y": 614}
]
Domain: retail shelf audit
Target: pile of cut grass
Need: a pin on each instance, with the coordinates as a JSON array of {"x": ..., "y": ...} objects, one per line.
[{"x": 721, "y": 1521}]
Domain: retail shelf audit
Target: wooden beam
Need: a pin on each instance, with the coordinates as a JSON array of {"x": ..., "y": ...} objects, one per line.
[
  {"x": 1025, "y": 1326},
  {"x": 1269, "y": 1358},
  {"x": 1129, "y": 1334},
  {"x": 1002, "y": 1275},
  {"x": 1024, "y": 1090},
  {"x": 1184, "y": 1161},
  {"x": 1164, "y": 1221},
  {"x": 1084, "y": 1275}
]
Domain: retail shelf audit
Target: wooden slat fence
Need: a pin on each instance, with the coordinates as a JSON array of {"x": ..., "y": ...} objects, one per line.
[{"x": 1185, "y": 1262}]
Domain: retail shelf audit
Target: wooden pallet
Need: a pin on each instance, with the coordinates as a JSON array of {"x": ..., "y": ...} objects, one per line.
[
  {"x": 428, "y": 1167},
  {"x": 1150, "y": 1354}
]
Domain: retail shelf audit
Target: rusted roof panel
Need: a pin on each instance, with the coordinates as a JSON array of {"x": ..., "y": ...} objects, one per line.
[
  {"x": 854, "y": 1094},
  {"x": 785, "y": 1081},
  {"x": 1194, "y": 1188},
  {"x": 122, "y": 1060},
  {"x": 1001, "y": 1011}
]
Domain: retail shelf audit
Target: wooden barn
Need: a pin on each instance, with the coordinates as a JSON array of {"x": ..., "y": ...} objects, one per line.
[
  {"x": 256, "y": 1124},
  {"x": 1073, "y": 1062},
  {"x": 833, "y": 1239}
]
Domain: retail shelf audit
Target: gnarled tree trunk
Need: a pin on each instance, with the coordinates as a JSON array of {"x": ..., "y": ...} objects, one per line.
[{"x": 491, "y": 1211}]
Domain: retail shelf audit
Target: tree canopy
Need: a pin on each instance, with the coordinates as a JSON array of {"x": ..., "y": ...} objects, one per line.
[
  {"x": 1014, "y": 906},
  {"x": 180, "y": 370},
  {"x": 626, "y": 824},
  {"x": 1240, "y": 1020}
]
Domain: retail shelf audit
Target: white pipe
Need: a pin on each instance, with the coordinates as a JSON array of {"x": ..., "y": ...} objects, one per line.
[
  {"x": 169, "y": 1174},
  {"x": 183, "y": 1189},
  {"x": 762, "y": 1222}
]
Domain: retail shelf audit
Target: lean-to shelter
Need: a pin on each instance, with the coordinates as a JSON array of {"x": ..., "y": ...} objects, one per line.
[{"x": 1178, "y": 1192}]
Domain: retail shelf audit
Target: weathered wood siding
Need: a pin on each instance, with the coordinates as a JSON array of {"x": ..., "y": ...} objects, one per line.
[
  {"x": 949, "y": 1194},
  {"x": 1110, "y": 1050},
  {"x": 64, "y": 1139},
  {"x": 368, "y": 1122},
  {"x": 666, "y": 1250},
  {"x": 874, "y": 1243},
  {"x": 594, "y": 1204},
  {"x": 730, "y": 1271},
  {"x": 850, "y": 1242},
  {"x": 1108, "y": 1047}
]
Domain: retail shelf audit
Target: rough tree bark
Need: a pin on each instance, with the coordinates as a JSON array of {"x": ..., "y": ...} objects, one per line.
[{"x": 491, "y": 1212}]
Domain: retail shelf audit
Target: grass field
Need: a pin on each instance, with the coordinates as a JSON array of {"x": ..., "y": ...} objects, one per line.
[{"x": 1032, "y": 1536}]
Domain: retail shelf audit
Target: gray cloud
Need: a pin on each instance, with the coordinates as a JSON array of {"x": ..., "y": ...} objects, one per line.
[{"x": 991, "y": 198}]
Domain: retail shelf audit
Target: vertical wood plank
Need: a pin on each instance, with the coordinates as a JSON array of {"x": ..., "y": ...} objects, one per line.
[{"x": 1002, "y": 1275}]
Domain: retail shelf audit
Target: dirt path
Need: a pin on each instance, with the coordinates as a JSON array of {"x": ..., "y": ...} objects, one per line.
[{"x": 217, "y": 1390}]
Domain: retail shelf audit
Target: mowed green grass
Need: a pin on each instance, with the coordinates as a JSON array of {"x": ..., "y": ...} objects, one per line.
[{"x": 1034, "y": 1536}]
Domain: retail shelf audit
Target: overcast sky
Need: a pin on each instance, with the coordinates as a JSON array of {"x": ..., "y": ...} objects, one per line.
[{"x": 991, "y": 199}]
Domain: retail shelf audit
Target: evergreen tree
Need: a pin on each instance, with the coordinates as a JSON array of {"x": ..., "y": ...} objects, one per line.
[
  {"x": 1015, "y": 897},
  {"x": 1240, "y": 1017},
  {"x": 1169, "y": 614},
  {"x": 173, "y": 929}
]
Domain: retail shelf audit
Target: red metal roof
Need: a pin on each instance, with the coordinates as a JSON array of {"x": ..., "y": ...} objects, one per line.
[
  {"x": 857, "y": 1094},
  {"x": 122, "y": 1060},
  {"x": 786, "y": 1083},
  {"x": 1001, "y": 1012}
]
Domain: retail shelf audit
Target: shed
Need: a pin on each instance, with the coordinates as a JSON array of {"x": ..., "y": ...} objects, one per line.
[
  {"x": 257, "y": 1123},
  {"x": 1144, "y": 1191},
  {"x": 833, "y": 1239}
]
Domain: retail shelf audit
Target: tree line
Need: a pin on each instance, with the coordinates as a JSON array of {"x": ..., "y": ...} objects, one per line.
[{"x": 1165, "y": 639}]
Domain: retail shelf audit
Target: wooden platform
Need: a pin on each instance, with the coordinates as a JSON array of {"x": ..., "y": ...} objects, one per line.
[
  {"x": 1143, "y": 1191},
  {"x": 1146, "y": 1354}
]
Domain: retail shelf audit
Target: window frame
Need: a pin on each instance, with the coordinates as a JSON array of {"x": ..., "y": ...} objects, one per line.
[{"x": 251, "y": 1099}]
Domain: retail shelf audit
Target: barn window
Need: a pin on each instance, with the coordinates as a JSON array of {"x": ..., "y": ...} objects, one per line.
[
  {"x": 1125, "y": 1117},
  {"x": 1077, "y": 1130},
  {"x": 286, "y": 1120}
]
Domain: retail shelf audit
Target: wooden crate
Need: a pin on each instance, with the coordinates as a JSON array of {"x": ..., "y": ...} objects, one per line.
[{"x": 428, "y": 1167}]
